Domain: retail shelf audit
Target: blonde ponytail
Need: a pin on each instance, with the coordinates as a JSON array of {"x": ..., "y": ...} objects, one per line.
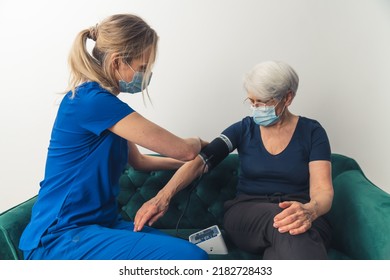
[{"x": 125, "y": 35}]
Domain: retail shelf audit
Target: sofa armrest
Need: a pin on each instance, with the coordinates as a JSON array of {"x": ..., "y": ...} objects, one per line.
[
  {"x": 12, "y": 225},
  {"x": 360, "y": 217}
]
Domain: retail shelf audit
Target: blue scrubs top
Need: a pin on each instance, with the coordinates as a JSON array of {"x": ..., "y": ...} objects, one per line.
[
  {"x": 262, "y": 173},
  {"x": 83, "y": 165}
]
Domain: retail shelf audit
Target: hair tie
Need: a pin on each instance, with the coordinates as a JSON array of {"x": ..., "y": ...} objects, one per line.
[{"x": 93, "y": 32}]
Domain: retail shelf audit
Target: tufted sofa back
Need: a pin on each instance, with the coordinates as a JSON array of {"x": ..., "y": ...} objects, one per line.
[{"x": 205, "y": 202}]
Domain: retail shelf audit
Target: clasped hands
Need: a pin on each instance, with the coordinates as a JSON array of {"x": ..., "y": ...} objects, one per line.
[{"x": 296, "y": 218}]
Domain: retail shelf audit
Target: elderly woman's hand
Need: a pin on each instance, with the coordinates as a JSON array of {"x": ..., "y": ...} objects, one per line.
[{"x": 296, "y": 218}]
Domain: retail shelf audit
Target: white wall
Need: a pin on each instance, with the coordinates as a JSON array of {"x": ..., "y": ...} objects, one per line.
[{"x": 340, "y": 48}]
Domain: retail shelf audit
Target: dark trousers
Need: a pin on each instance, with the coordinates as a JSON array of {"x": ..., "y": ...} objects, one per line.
[{"x": 248, "y": 222}]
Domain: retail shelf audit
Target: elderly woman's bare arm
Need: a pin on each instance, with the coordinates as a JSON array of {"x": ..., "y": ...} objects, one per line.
[
  {"x": 156, "y": 207},
  {"x": 297, "y": 218}
]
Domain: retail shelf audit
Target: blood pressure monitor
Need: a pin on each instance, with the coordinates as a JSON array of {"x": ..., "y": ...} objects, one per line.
[{"x": 210, "y": 240}]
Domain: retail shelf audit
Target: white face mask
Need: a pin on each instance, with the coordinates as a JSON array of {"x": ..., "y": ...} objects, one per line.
[
  {"x": 265, "y": 115},
  {"x": 135, "y": 85}
]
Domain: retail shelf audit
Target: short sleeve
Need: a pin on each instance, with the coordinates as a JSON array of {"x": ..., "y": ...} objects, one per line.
[
  {"x": 320, "y": 146},
  {"x": 233, "y": 134},
  {"x": 100, "y": 111}
]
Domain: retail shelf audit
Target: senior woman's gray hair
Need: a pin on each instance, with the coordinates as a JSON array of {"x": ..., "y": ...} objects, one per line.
[{"x": 271, "y": 79}]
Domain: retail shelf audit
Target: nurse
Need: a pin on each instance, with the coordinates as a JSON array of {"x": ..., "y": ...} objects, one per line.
[{"x": 94, "y": 135}]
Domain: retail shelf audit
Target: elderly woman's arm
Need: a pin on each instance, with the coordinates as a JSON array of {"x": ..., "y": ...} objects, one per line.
[
  {"x": 296, "y": 218},
  {"x": 156, "y": 207}
]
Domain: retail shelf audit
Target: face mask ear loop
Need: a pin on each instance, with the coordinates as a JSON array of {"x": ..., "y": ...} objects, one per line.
[
  {"x": 120, "y": 76},
  {"x": 130, "y": 67},
  {"x": 281, "y": 113},
  {"x": 277, "y": 103},
  {"x": 284, "y": 107}
]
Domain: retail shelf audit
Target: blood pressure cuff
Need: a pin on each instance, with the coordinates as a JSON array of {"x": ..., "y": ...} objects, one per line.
[{"x": 216, "y": 151}]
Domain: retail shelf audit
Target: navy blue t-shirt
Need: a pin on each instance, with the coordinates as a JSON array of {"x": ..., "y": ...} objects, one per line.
[
  {"x": 287, "y": 172},
  {"x": 83, "y": 165}
]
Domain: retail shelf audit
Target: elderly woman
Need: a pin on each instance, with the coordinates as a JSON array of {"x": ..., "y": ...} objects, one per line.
[{"x": 285, "y": 184}]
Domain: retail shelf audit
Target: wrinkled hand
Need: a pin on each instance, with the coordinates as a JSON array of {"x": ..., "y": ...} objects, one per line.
[
  {"x": 296, "y": 218},
  {"x": 150, "y": 212}
]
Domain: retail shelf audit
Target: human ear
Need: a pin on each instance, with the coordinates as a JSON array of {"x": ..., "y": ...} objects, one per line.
[
  {"x": 289, "y": 97},
  {"x": 115, "y": 61}
]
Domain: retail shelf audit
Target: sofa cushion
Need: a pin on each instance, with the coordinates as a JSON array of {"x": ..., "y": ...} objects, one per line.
[{"x": 12, "y": 224}]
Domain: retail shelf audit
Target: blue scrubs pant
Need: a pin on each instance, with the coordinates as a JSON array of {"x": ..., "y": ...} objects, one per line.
[{"x": 94, "y": 242}]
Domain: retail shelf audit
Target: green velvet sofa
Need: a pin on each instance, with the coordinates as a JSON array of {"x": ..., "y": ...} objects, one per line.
[{"x": 360, "y": 214}]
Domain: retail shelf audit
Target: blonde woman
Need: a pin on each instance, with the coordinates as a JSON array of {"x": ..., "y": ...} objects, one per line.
[{"x": 94, "y": 135}]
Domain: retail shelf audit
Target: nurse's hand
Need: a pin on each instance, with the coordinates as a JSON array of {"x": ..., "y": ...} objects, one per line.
[{"x": 150, "y": 212}]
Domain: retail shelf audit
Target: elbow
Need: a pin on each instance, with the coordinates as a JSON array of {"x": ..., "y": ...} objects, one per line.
[
  {"x": 189, "y": 155},
  {"x": 331, "y": 194},
  {"x": 331, "y": 197},
  {"x": 136, "y": 166},
  {"x": 137, "y": 162},
  {"x": 190, "y": 148}
]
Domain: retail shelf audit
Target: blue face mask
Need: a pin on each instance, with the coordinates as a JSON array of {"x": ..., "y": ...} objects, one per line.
[
  {"x": 136, "y": 83},
  {"x": 265, "y": 115}
]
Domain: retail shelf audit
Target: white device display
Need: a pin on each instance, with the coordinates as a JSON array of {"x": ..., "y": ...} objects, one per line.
[{"x": 210, "y": 240}]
